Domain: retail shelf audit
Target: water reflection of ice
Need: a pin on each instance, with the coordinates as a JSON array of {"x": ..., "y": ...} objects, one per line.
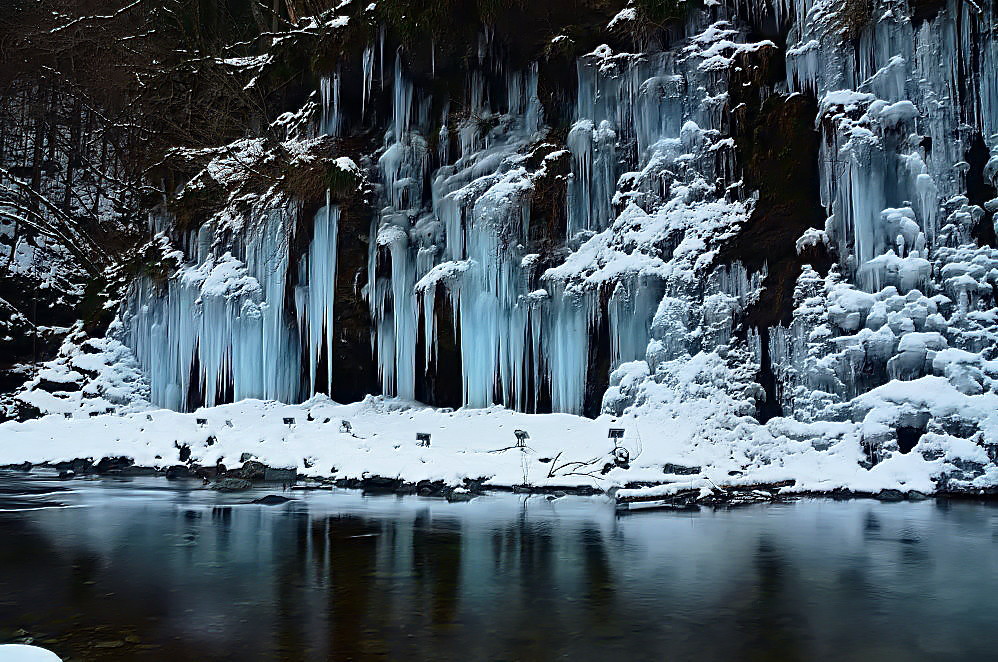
[{"x": 346, "y": 575}]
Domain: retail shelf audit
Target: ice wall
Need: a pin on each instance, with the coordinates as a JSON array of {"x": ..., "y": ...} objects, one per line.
[
  {"x": 454, "y": 221},
  {"x": 219, "y": 330},
  {"x": 628, "y": 282},
  {"x": 217, "y": 327},
  {"x": 901, "y": 102},
  {"x": 637, "y": 117},
  {"x": 905, "y": 100}
]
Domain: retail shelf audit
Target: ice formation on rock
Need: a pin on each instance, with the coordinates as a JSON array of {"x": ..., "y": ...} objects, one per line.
[{"x": 608, "y": 304}]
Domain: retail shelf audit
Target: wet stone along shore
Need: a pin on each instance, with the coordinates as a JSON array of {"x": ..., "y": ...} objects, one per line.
[{"x": 251, "y": 473}]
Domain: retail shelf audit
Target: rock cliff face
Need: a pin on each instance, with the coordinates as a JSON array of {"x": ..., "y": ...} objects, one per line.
[{"x": 586, "y": 206}]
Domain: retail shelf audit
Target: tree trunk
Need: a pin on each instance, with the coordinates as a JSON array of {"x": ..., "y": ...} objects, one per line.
[{"x": 73, "y": 156}]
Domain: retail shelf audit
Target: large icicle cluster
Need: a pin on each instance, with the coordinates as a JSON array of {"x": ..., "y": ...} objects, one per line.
[
  {"x": 219, "y": 329},
  {"x": 908, "y": 123},
  {"x": 644, "y": 144},
  {"x": 899, "y": 115},
  {"x": 643, "y": 218}
]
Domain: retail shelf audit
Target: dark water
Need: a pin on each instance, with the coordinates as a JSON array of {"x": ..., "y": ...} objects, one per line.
[{"x": 146, "y": 569}]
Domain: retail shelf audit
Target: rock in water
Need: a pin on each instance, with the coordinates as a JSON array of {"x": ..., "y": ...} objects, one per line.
[
  {"x": 281, "y": 475},
  {"x": 179, "y": 471},
  {"x": 272, "y": 500},
  {"x": 380, "y": 484},
  {"x": 460, "y": 495},
  {"x": 890, "y": 495}
]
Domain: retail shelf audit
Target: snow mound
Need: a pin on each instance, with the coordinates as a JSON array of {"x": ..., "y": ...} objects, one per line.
[{"x": 23, "y": 653}]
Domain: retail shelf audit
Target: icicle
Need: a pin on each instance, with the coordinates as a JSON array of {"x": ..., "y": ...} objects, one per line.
[
  {"x": 566, "y": 347},
  {"x": 329, "y": 91},
  {"x": 426, "y": 300},
  {"x": 316, "y": 313},
  {"x": 646, "y": 101},
  {"x": 224, "y": 317},
  {"x": 381, "y": 55},
  {"x": 493, "y": 319},
  {"x": 325, "y": 94},
  {"x": 402, "y": 100},
  {"x": 367, "y": 64},
  {"x": 412, "y": 250},
  {"x": 630, "y": 313},
  {"x": 394, "y": 313}
]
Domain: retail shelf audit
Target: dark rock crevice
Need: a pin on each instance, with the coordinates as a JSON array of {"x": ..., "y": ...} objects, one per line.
[
  {"x": 776, "y": 148},
  {"x": 980, "y": 190},
  {"x": 441, "y": 385}
]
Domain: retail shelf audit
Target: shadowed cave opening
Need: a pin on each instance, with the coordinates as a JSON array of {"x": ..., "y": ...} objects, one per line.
[{"x": 908, "y": 438}]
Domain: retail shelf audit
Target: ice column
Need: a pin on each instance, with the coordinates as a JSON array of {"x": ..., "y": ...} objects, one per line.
[{"x": 315, "y": 298}]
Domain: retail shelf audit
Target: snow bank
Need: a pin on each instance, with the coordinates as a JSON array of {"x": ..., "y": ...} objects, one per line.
[{"x": 23, "y": 653}]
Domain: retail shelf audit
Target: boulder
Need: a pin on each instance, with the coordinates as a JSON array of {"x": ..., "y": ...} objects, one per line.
[
  {"x": 890, "y": 495},
  {"x": 380, "y": 484},
  {"x": 280, "y": 475},
  {"x": 272, "y": 500},
  {"x": 113, "y": 465},
  {"x": 179, "y": 471},
  {"x": 253, "y": 470},
  {"x": 135, "y": 470},
  {"x": 428, "y": 488},
  {"x": 679, "y": 469},
  {"x": 77, "y": 466},
  {"x": 460, "y": 495}
]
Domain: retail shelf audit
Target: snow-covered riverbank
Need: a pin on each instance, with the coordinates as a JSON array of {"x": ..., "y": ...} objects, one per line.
[{"x": 562, "y": 450}]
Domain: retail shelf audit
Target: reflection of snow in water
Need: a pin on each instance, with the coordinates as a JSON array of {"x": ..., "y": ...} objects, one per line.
[
  {"x": 19, "y": 495},
  {"x": 419, "y": 576}
]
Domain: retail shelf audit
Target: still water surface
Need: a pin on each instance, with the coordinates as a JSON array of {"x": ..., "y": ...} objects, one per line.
[{"x": 146, "y": 569}]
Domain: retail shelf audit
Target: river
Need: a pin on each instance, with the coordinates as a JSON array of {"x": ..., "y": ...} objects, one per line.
[{"x": 150, "y": 569}]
